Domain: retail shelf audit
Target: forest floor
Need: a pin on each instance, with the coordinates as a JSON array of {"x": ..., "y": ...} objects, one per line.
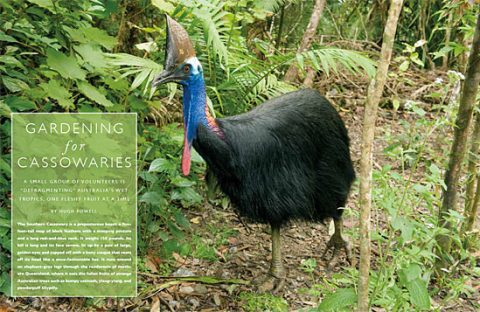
[{"x": 228, "y": 249}]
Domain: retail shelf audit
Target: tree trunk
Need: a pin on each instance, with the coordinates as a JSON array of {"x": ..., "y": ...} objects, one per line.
[
  {"x": 309, "y": 77},
  {"x": 127, "y": 35},
  {"x": 375, "y": 91},
  {"x": 471, "y": 218},
  {"x": 422, "y": 24},
  {"x": 459, "y": 146},
  {"x": 292, "y": 71},
  {"x": 471, "y": 197},
  {"x": 280, "y": 27},
  {"x": 448, "y": 34},
  {"x": 376, "y": 18}
]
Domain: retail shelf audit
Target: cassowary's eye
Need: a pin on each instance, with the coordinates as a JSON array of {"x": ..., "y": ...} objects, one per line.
[{"x": 186, "y": 69}]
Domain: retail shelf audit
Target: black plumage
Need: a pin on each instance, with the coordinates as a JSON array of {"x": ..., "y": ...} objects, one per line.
[{"x": 287, "y": 159}]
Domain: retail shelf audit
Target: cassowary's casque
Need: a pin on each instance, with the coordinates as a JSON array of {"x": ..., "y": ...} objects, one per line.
[{"x": 287, "y": 159}]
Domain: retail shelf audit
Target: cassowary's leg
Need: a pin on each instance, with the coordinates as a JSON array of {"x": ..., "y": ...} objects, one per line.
[
  {"x": 336, "y": 243},
  {"x": 275, "y": 278}
]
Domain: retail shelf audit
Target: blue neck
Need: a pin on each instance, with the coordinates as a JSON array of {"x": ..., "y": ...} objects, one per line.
[{"x": 194, "y": 105}]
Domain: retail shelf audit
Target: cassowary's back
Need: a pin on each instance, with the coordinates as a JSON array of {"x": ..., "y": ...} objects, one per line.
[{"x": 286, "y": 159}]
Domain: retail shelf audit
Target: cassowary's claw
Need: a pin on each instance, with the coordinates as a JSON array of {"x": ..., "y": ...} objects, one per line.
[
  {"x": 336, "y": 243},
  {"x": 270, "y": 283}
]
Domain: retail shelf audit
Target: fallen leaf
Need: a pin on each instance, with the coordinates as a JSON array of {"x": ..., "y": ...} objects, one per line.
[
  {"x": 186, "y": 290},
  {"x": 195, "y": 220},
  {"x": 155, "y": 305},
  {"x": 216, "y": 299},
  {"x": 201, "y": 289},
  {"x": 150, "y": 264},
  {"x": 179, "y": 259}
]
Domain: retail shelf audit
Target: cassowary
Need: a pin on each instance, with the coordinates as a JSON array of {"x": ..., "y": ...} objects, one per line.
[{"x": 287, "y": 159}]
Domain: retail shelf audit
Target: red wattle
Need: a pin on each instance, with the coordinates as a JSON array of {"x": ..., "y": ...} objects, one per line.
[{"x": 186, "y": 157}]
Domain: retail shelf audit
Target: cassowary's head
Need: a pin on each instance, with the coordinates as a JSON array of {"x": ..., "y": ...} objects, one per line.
[
  {"x": 183, "y": 67},
  {"x": 181, "y": 64}
]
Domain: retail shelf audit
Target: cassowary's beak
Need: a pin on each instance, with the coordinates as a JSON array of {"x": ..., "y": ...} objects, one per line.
[
  {"x": 178, "y": 48},
  {"x": 164, "y": 77}
]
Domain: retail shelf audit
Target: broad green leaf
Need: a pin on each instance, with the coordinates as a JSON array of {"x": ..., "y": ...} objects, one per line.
[
  {"x": 66, "y": 66},
  {"x": 116, "y": 84},
  {"x": 159, "y": 165},
  {"x": 404, "y": 66},
  {"x": 19, "y": 104},
  {"x": 100, "y": 36},
  {"x": 187, "y": 194},
  {"x": 93, "y": 94},
  {"x": 56, "y": 91},
  {"x": 180, "y": 219},
  {"x": 182, "y": 182},
  {"x": 6, "y": 38},
  {"x": 407, "y": 231},
  {"x": 10, "y": 60},
  {"x": 76, "y": 34},
  {"x": 13, "y": 84},
  {"x": 162, "y": 235},
  {"x": 152, "y": 198},
  {"x": 175, "y": 230},
  {"x": 340, "y": 299},
  {"x": 195, "y": 157},
  {"x": 91, "y": 54},
  {"x": 410, "y": 273},
  {"x": 419, "y": 296}
]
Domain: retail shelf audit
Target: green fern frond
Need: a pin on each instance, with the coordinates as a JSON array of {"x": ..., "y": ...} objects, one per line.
[
  {"x": 214, "y": 26},
  {"x": 207, "y": 23},
  {"x": 144, "y": 70},
  {"x": 329, "y": 59},
  {"x": 267, "y": 88}
]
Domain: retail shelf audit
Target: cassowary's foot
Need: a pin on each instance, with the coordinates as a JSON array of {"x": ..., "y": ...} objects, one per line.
[
  {"x": 270, "y": 283},
  {"x": 337, "y": 243},
  {"x": 275, "y": 278}
]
